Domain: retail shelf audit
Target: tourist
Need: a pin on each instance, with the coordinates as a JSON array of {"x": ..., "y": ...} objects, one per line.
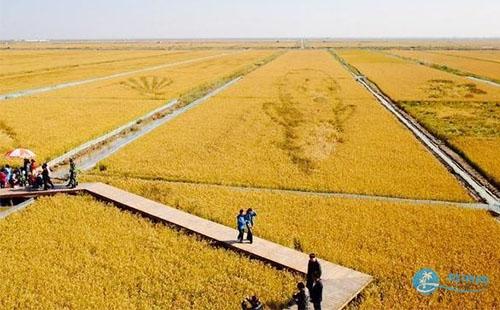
[
  {"x": 241, "y": 223},
  {"x": 46, "y": 177},
  {"x": 26, "y": 169},
  {"x": 313, "y": 267},
  {"x": 22, "y": 180},
  {"x": 317, "y": 292},
  {"x": 26, "y": 164},
  {"x": 15, "y": 178},
  {"x": 301, "y": 298},
  {"x": 3, "y": 178},
  {"x": 32, "y": 175},
  {"x": 38, "y": 179},
  {"x": 72, "y": 174},
  {"x": 249, "y": 218},
  {"x": 8, "y": 172},
  {"x": 252, "y": 304}
]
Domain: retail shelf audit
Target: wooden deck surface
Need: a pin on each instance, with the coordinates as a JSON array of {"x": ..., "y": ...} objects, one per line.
[{"x": 341, "y": 284}]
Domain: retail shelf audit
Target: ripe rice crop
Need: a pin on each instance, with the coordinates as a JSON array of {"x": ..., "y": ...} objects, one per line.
[
  {"x": 491, "y": 55},
  {"x": 388, "y": 240},
  {"x": 473, "y": 128},
  {"x": 462, "y": 45},
  {"x": 457, "y": 110},
  {"x": 35, "y": 61},
  {"x": 300, "y": 122},
  {"x": 406, "y": 81},
  {"x": 33, "y": 70},
  {"x": 474, "y": 66},
  {"x": 483, "y": 151},
  {"x": 73, "y": 252},
  {"x": 55, "y": 122},
  {"x": 154, "y": 45}
]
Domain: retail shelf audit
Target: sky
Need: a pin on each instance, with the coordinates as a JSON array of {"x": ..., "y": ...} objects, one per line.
[{"x": 136, "y": 19}]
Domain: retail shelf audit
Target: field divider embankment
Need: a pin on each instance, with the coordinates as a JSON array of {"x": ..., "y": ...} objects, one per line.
[
  {"x": 90, "y": 153},
  {"x": 312, "y": 193},
  {"x": 453, "y": 162},
  {"x": 45, "y": 89}
]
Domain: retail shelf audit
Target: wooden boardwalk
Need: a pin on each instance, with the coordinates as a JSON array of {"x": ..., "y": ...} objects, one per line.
[{"x": 341, "y": 284}]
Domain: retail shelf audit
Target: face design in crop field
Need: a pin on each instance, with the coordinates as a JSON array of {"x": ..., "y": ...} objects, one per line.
[
  {"x": 311, "y": 114},
  {"x": 151, "y": 87},
  {"x": 449, "y": 89}
]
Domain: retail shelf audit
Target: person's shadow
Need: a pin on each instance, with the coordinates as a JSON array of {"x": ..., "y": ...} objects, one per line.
[{"x": 234, "y": 242}]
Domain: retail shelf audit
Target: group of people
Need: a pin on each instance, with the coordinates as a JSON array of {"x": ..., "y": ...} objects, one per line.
[
  {"x": 32, "y": 175},
  {"x": 245, "y": 221},
  {"x": 309, "y": 293},
  {"x": 312, "y": 291}
]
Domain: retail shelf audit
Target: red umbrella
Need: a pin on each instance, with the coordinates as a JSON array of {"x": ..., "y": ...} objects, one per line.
[{"x": 20, "y": 153}]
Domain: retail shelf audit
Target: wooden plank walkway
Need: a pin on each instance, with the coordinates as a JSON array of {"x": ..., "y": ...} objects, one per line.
[
  {"x": 341, "y": 284},
  {"x": 6, "y": 193}
]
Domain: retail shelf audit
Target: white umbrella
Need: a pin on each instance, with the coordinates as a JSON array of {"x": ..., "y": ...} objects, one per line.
[{"x": 20, "y": 153}]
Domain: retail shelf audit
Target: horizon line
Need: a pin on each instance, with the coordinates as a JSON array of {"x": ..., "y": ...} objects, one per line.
[{"x": 253, "y": 38}]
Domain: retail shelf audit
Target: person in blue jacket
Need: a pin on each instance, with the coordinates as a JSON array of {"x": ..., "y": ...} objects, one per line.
[
  {"x": 249, "y": 217},
  {"x": 241, "y": 224}
]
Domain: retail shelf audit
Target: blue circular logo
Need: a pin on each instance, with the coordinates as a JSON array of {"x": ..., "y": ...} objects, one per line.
[{"x": 426, "y": 281}]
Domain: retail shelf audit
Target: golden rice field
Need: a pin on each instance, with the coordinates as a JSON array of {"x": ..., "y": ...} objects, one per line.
[
  {"x": 483, "y": 151},
  {"x": 55, "y": 122},
  {"x": 491, "y": 55},
  {"x": 475, "y": 66},
  {"x": 23, "y": 61},
  {"x": 460, "y": 45},
  {"x": 387, "y": 240},
  {"x": 438, "y": 44},
  {"x": 173, "y": 44},
  {"x": 458, "y": 110},
  {"x": 300, "y": 122},
  {"x": 406, "y": 81},
  {"x": 22, "y": 70},
  {"x": 77, "y": 253},
  {"x": 471, "y": 128}
]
